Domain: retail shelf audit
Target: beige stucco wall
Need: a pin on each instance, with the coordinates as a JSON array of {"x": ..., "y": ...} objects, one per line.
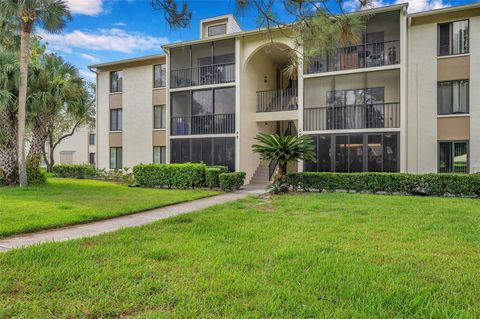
[
  {"x": 453, "y": 128},
  {"x": 159, "y": 96},
  {"x": 137, "y": 115},
  {"x": 115, "y": 100},
  {"x": 78, "y": 143},
  {"x": 475, "y": 94},
  {"x": 422, "y": 99},
  {"x": 453, "y": 68},
  {"x": 103, "y": 118},
  {"x": 159, "y": 138},
  {"x": 115, "y": 139}
]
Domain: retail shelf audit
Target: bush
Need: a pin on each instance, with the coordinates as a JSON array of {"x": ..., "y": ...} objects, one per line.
[
  {"x": 212, "y": 174},
  {"x": 73, "y": 171},
  {"x": 170, "y": 175},
  {"x": 35, "y": 175},
  {"x": 231, "y": 181},
  {"x": 428, "y": 184}
]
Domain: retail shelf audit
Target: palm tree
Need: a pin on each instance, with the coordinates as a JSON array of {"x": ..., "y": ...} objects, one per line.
[
  {"x": 284, "y": 149},
  {"x": 52, "y": 16}
]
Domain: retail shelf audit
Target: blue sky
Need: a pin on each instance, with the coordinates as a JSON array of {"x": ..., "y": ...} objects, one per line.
[{"x": 109, "y": 30}]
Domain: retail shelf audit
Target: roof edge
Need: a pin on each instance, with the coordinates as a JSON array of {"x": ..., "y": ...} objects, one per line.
[{"x": 124, "y": 61}]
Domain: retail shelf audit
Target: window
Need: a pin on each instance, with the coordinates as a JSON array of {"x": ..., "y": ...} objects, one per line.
[
  {"x": 159, "y": 155},
  {"x": 159, "y": 116},
  {"x": 453, "y": 38},
  {"x": 217, "y": 29},
  {"x": 116, "y": 79},
  {"x": 116, "y": 120},
  {"x": 211, "y": 151},
  {"x": 355, "y": 153},
  {"x": 452, "y": 97},
  {"x": 116, "y": 158},
  {"x": 453, "y": 157},
  {"x": 91, "y": 158},
  {"x": 91, "y": 139},
  {"x": 159, "y": 75}
]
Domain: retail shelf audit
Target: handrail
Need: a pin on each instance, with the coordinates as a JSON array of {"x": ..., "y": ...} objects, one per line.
[
  {"x": 277, "y": 100},
  {"x": 203, "y": 124},
  {"x": 364, "y": 55},
  {"x": 375, "y": 115},
  {"x": 203, "y": 75}
]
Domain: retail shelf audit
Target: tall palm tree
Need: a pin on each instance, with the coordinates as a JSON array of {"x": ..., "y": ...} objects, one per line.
[
  {"x": 284, "y": 149},
  {"x": 51, "y": 15}
]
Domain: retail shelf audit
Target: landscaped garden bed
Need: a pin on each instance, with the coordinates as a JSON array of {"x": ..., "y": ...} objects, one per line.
[{"x": 310, "y": 255}]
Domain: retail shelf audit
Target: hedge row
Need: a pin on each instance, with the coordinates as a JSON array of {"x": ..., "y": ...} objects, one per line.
[
  {"x": 170, "y": 175},
  {"x": 212, "y": 174},
  {"x": 427, "y": 184},
  {"x": 73, "y": 171},
  {"x": 231, "y": 181}
]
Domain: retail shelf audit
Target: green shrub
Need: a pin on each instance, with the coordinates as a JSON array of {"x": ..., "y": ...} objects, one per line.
[
  {"x": 212, "y": 174},
  {"x": 73, "y": 171},
  {"x": 170, "y": 175},
  {"x": 429, "y": 184},
  {"x": 231, "y": 181},
  {"x": 35, "y": 175}
]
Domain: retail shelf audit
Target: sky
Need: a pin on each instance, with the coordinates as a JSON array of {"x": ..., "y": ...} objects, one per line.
[{"x": 110, "y": 30}]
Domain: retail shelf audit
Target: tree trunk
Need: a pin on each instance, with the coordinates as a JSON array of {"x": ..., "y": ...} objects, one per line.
[{"x": 22, "y": 101}]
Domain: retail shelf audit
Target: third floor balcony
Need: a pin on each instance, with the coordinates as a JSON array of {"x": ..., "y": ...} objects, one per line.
[
  {"x": 203, "y": 75},
  {"x": 277, "y": 100}
]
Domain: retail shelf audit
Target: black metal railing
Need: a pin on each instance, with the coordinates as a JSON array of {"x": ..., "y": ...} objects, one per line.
[
  {"x": 272, "y": 166},
  {"x": 203, "y": 124},
  {"x": 378, "y": 115},
  {"x": 277, "y": 100},
  {"x": 203, "y": 75},
  {"x": 356, "y": 57}
]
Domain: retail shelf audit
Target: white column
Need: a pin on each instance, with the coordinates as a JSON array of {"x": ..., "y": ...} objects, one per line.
[
  {"x": 403, "y": 91},
  {"x": 167, "y": 111},
  {"x": 300, "y": 99},
  {"x": 237, "y": 104}
]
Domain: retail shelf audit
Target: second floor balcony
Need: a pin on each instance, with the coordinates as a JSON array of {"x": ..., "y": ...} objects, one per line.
[
  {"x": 277, "y": 100},
  {"x": 377, "y": 115},
  {"x": 203, "y": 124},
  {"x": 356, "y": 57},
  {"x": 203, "y": 75}
]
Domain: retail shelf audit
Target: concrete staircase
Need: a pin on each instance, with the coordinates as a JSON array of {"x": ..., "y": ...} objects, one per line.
[{"x": 260, "y": 177}]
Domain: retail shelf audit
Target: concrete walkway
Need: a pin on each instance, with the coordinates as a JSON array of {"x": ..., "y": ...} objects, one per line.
[{"x": 113, "y": 224}]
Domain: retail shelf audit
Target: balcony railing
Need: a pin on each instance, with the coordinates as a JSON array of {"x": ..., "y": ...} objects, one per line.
[
  {"x": 203, "y": 75},
  {"x": 380, "y": 115},
  {"x": 203, "y": 124},
  {"x": 356, "y": 57},
  {"x": 277, "y": 100}
]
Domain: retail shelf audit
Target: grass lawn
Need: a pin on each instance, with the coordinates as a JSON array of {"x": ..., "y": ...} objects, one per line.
[
  {"x": 63, "y": 202},
  {"x": 311, "y": 256}
]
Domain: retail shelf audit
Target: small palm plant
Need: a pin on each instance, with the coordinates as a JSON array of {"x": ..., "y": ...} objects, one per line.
[{"x": 283, "y": 149}]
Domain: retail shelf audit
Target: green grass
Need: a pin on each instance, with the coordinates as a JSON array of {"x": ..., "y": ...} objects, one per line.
[
  {"x": 63, "y": 202},
  {"x": 310, "y": 256}
]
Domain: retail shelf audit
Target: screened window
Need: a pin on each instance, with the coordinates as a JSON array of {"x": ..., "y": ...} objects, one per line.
[
  {"x": 159, "y": 155},
  {"x": 91, "y": 139},
  {"x": 453, "y": 157},
  {"x": 159, "y": 116},
  {"x": 355, "y": 153},
  {"x": 453, "y": 38},
  {"x": 452, "y": 97},
  {"x": 159, "y": 75},
  {"x": 116, "y": 158},
  {"x": 116, "y": 80},
  {"x": 217, "y": 29},
  {"x": 116, "y": 120},
  {"x": 91, "y": 158}
]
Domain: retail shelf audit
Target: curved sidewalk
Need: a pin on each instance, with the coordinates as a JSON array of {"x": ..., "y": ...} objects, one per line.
[{"x": 132, "y": 220}]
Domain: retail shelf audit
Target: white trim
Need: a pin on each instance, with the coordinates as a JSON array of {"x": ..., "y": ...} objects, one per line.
[
  {"x": 159, "y": 129},
  {"x": 178, "y": 137},
  {"x": 452, "y": 56},
  {"x": 353, "y": 71},
  {"x": 353, "y": 131},
  {"x": 203, "y": 87},
  {"x": 440, "y": 116}
]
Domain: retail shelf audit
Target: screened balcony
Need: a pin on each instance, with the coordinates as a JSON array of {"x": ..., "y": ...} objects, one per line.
[
  {"x": 203, "y": 124},
  {"x": 203, "y": 64},
  {"x": 379, "y": 46},
  {"x": 277, "y": 100}
]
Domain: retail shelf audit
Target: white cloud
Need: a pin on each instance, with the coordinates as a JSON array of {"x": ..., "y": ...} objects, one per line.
[
  {"x": 86, "y": 7},
  {"x": 120, "y": 24},
  {"x": 89, "y": 57},
  {"x": 103, "y": 40},
  {"x": 424, "y": 5},
  {"x": 88, "y": 75}
]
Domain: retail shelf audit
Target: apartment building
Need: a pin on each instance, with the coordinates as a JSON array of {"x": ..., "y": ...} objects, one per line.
[
  {"x": 77, "y": 149},
  {"x": 397, "y": 101}
]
